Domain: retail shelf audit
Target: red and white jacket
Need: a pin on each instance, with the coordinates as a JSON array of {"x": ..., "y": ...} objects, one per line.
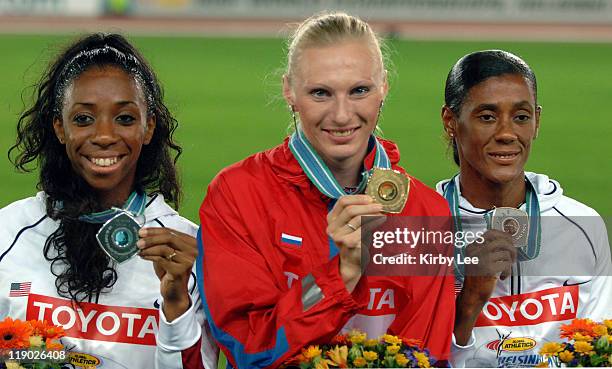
[{"x": 263, "y": 245}]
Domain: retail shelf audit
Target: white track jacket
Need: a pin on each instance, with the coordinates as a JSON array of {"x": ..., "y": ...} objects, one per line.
[{"x": 570, "y": 278}]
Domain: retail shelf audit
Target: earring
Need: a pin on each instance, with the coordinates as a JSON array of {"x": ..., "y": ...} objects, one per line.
[{"x": 292, "y": 108}]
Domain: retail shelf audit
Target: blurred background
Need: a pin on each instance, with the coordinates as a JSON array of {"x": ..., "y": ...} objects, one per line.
[{"x": 221, "y": 62}]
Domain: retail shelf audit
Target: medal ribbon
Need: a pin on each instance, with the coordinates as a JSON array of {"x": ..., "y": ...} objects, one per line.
[
  {"x": 320, "y": 175},
  {"x": 533, "y": 210},
  {"x": 134, "y": 205}
]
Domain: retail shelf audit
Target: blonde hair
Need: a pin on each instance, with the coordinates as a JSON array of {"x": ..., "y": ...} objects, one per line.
[{"x": 328, "y": 28}]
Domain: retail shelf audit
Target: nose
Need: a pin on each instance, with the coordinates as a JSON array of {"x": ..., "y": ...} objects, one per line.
[
  {"x": 342, "y": 110},
  {"x": 505, "y": 131},
  {"x": 105, "y": 132}
]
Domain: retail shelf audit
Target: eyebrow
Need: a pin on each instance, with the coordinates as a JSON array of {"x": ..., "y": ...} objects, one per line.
[
  {"x": 121, "y": 103},
  {"x": 518, "y": 105}
]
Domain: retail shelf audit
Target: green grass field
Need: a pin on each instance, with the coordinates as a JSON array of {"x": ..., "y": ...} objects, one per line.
[{"x": 226, "y": 95}]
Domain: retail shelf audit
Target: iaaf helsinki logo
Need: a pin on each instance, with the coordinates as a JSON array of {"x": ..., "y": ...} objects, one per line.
[
  {"x": 507, "y": 344},
  {"x": 95, "y": 321},
  {"x": 553, "y": 304}
]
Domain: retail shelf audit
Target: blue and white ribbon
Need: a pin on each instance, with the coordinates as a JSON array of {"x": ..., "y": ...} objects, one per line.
[
  {"x": 135, "y": 205},
  {"x": 320, "y": 175}
]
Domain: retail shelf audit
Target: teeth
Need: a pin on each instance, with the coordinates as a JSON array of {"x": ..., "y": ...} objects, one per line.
[
  {"x": 504, "y": 156},
  {"x": 104, "y": 162},
  {"x": 342, "y": 133}
]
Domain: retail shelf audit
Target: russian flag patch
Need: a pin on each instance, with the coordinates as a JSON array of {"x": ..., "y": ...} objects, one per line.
[{"x": 291, "y": 240}]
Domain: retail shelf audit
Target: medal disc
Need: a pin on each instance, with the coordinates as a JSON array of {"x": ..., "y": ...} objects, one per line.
[
  {"x": 118, "y": 237},
  {"x": 512, "y": 221},
  {"x": 389, "y": 188}
]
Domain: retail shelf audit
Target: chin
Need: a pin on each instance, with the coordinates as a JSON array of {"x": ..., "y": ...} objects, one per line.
[{"x": 506, "y": 176}]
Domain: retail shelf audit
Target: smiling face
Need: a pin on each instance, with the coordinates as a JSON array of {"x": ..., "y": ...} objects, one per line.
[
  {"x": 497, "y": 123},
  {"x": 104, "y": 124},
  {"x": 337, "y": 91}
]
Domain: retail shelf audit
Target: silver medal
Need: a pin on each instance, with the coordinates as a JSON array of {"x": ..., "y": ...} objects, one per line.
[
  {"x": 512, "y": 221},
  {"x": 118, "y": 237}
]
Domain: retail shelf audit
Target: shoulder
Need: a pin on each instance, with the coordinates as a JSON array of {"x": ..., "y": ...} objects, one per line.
[
  {"x": 159, "y": 213},
  {"x": 21, "y": 216},
  {"x": 24, "y": 212},
  {"x": 260, "y": 169}
]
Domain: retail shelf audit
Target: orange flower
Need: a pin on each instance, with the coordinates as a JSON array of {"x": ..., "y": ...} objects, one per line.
[
  {"x": 14, "y": 334},
  {"x": 46, "y": 330},
  {"x": 53, "y": 345},
  {"x": 340, "y": 340},
  {"x": 413, "y": 342},
  {"x": 582, "y": 326}
]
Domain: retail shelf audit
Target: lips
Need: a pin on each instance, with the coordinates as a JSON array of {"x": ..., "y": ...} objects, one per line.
[
  {"x": 104, "y": 163},
  {"x": 341, "y": 135},
  {"x": 504, "y": 156}
]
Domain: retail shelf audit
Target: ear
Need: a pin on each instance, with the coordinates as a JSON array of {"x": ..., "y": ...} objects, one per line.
[
  {"x": 288, "y": 92},
  {"x": 150, "y": 129},
  {"x": 58, "y": 127},
  {"x": 385, "y": 85},
  {"x": 449, "y": 121},
  {"x": 537, "y": 124}
]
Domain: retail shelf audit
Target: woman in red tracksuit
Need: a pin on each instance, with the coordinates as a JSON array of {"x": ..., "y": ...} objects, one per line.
[{"x": 280, "y": 255}]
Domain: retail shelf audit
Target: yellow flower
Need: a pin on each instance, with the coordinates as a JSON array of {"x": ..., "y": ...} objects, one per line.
[
  {"x": 356, "y": 337},
  {"x": 359, "y": 362},
  {"x": 566, "y": 356},
  {"x": 580, "y": 337},
  {"x": 311, "y": 352},
  {"x": 371, "y": 342},
  {"x": 600, "y": 330},
  {"x": 338, "y": 356},
  {"x": 370, "y": 355},
  {"x": 393, "y": 349},
  {"x": 608, "y": 323},
  {"x": 422, "y": 359},
  {"x": 401, "y": 360},
  {"x": 322, "y": 365},
  {"x": 583, "y": 347},
  {"x": 12, "y": 365},
  {"x": 36, "y": 341},
  {"x": 551, "y": 348},
  {"x": 393, "y": 340}
]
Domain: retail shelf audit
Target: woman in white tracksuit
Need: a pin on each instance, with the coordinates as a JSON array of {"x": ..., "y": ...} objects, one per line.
[{"x": 516, "y": 298}]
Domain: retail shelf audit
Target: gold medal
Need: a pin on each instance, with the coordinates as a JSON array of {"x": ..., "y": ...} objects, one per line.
[
  {"x": 512, "y": 221},
  {"x": 389, "y": 188}
]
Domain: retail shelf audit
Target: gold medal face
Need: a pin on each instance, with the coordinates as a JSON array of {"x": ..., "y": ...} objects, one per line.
[{"x": 389, "y": 188}]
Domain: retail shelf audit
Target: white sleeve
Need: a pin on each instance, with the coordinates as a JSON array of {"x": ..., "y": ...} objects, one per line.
[
  {"x": 459, "y": 353},
  {"x": 599, "y": 306},
  {"x": 181, "y": 334}
]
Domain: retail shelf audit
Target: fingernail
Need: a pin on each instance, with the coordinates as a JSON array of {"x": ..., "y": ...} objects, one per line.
[
  {"x": 140, "y": 244},
  {"x": 142, "y": 232}
]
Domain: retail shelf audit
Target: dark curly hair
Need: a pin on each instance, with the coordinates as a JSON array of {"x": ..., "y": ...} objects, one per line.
[
  {"x": 473, "y": 69},
  {"x": 82, "y": 268}
]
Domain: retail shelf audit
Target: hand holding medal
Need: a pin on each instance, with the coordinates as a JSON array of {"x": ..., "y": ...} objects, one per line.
[{"x": 173, "y": 254}]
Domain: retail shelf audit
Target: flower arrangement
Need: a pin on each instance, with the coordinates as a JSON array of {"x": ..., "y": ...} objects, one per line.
[
  {"x": 589, "y": 344},
  {"x": 30, "y": 344},
  {"x": 355, "y": 350}
]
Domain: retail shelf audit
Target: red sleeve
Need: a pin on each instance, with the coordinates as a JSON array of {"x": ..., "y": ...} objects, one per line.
[{"x": 257, "y": 321}]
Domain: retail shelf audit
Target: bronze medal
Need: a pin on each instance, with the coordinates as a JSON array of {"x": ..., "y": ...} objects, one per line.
[
  {"x": 389, "y": 188},
  {"x": 512, "y": 221}
]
